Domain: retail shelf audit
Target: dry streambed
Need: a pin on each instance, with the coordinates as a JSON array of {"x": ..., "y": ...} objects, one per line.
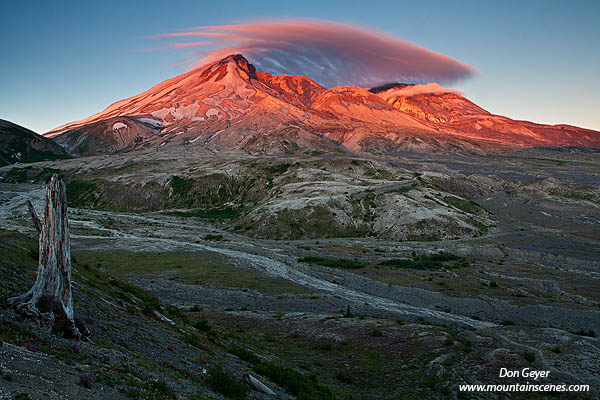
[{"x": 101, "y": 230}]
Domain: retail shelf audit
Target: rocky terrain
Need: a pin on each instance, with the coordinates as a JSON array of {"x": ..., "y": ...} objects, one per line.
[{"x": 321, "y": 274}]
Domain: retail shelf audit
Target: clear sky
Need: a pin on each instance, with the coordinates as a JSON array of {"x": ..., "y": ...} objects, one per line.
[{"x": 63, "y": 61}]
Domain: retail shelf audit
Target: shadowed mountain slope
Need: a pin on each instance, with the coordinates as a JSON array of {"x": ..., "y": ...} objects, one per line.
[{"x": 19, "y": 144}]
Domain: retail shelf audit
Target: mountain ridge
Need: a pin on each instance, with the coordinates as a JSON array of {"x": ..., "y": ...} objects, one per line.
[{"x": 228, "y": 104}]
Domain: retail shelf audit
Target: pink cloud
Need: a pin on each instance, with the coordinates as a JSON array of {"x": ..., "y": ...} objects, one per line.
[
  {"x": 331, "y": 53},
  {"x": 195, "y": 44}
]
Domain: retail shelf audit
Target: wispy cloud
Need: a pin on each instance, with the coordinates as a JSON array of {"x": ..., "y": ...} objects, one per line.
[
  {"x": 194, "y": 44},
  {"x": 413, "y": 90},
  {"x": 331, "y": 53}
]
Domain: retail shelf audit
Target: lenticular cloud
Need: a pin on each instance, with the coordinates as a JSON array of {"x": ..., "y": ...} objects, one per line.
[{"x": 331, "y": 53}]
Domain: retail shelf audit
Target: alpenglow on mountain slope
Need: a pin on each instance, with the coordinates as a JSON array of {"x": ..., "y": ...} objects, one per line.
[{"x": 230, "y": 105}]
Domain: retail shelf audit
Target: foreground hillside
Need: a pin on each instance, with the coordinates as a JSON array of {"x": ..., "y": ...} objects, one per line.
[
  {"x": 141, "y": 348},
  {"x": 204, "y": 351}
]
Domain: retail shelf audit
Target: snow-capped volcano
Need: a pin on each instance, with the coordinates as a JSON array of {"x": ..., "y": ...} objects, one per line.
[
  {"x": 225, "y": 90},
  {"x": 231, "y": 105}
]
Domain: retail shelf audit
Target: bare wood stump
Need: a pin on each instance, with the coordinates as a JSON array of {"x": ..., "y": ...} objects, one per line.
[{"x": 50, "y": 299}]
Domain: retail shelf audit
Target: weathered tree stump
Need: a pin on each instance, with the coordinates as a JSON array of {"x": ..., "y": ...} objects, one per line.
[{"x": 50, "y": 298}]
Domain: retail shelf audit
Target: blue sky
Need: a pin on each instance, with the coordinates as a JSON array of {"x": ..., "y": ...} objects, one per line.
[{"x": 63, "y": 61}]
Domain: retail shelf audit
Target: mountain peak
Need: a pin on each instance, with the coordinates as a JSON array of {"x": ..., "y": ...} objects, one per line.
[{"x": 241, "y": 62}]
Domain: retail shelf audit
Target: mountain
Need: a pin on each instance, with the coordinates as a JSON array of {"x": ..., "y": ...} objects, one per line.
[
  {"x": 229, "y": 105},
  {"x": 457, "y": 115},
  {"x": 19, "y": 144}
]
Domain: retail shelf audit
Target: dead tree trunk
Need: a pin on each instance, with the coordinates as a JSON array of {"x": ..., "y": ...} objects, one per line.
[{"x": 50, "y": 297}]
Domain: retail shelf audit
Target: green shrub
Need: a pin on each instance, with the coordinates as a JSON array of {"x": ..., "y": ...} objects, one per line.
[
  {"x": 161, "y": 388},
  {"x": 195, "y": 340},
  {"x": 17, "y": 175},
  {"x": 13, "y": 333},
  {"x": 376, "y": 333},
  {"x": 333, "y": 262},
  {"x": 302, "y": 386},
  {"x": 244, "y": 354},
  {"x": 583, "y": 332},
  {"x": 427, "y": 261},
  {"x": 86, "y": 381},
  {"x": 203, "y": 325},
  {"x": 209, "y": 213},
  {"x": 180, "y": 186},
  {"x": 222, "y": 382},
  {"x": 344, "y": 377},
  {"x": 213, "y": 238},
  {"x": 150, "y": 301},
  {"x": 81, "y": 193},
  {"x": 325, "y": 346},
  {"x": 529, "y": 356},
  {"x": 467, "y": 206},
  {"x": 466, "y": 345},
  {"x": 278, "y": 169},
  {"x": 173, "y": 311},
  {"x": 348, "y": 313}
]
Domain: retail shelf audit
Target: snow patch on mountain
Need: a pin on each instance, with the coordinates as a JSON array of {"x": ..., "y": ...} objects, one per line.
[
  {"x": 211, "y": 112},
  {"x": 119, "y": 125}
]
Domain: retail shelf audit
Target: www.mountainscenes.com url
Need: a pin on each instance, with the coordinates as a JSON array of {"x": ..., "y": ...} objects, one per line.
[{"x": 524, "y": 387}]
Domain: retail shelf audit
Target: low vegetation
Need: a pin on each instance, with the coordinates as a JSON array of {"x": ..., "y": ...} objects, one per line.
[
  {"x": 277, "y": 169},
  {"x": 333, "y": 262},
  {"x": 217, "y": 213},
  {"x": 222, "y": 382},
  {"x": 428, "y": 261},
  {"x": 213, "y": 238},
  {"x": 34, "y": 174},
  {"x": 181, "y": 186},
  {"x": 300, "y": 385},
  {"x": 467, "y": 206},
  {"x": 198, "y": 267},
  {"x": 304, "y": 387}
]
